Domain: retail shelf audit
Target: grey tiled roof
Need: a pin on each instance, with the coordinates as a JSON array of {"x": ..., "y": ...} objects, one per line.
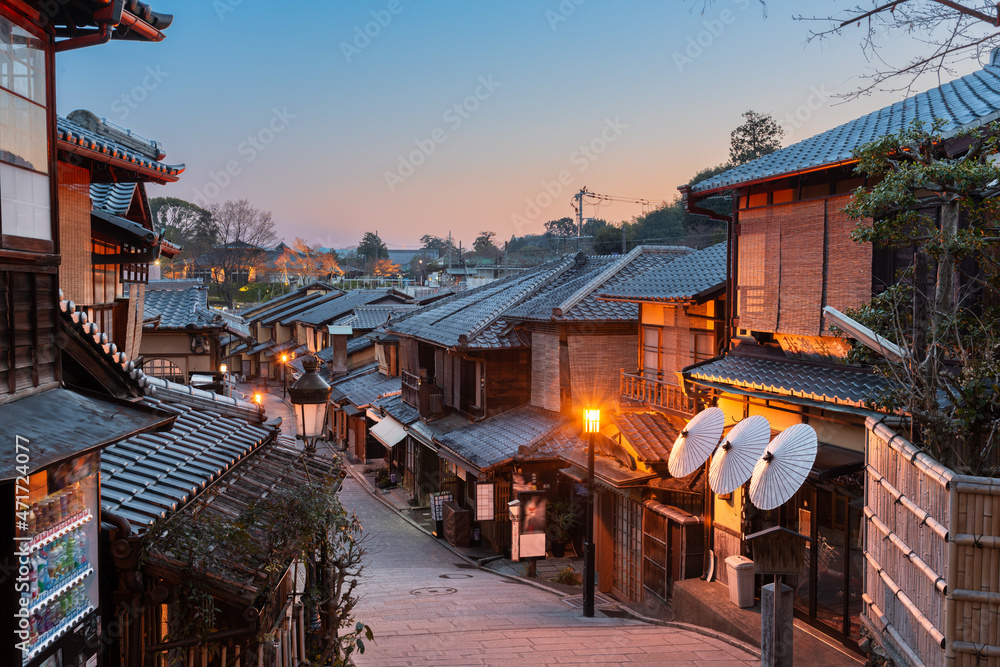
[
  {"x": 834, "y": 384},
  {"x": 666, "y": 278},
  {"x": 497, "y": 439},
  {"x": 430, "y": 431},
  {"x": 355, "y": 345},
  {"x": 149, "y": 476},
  {"x": 290, "y": 310},
  {"x": 332, "y": 309},
  {"x": 652, "y": 434},
  {"x": 568, "y": 444},
  {"x": 969, "y": 101},
  {"x": 367, "y": 385},
  {"x": 112, "y": 197},
  {"x": 372, "y": 317},
  {"x": 573, "y": 294},
  {"x": 261, "y": 311},
  {"x": 72, "y": 133},
  {"x": 398, "y": 410},
  {"x": 475, "y": 318},
  {"x": 178, "y": 308}
]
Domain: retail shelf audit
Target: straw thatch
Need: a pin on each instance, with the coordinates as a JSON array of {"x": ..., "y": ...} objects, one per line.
[{"x": 932, "y": 552}]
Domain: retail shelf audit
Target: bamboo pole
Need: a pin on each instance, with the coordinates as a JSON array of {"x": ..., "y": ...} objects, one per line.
[
  {"x": 977, "y": 567},
  {"x": 908, "y": 553},
  {"x": 907, "y": 603},
  {"x": 951, "y": 574},
  {"x": 887, "y": 627},
  {"x": 977, "y": 649}
]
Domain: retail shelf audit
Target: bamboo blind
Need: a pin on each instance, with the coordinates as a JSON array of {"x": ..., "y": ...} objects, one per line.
[
  {"x": 932, "y": 551},
  {"x": 545, "y": 371},
  {"x": 74, "y": 234},
  {"x": 848, "y": 280},
  {"x": 800, "y": 293}
]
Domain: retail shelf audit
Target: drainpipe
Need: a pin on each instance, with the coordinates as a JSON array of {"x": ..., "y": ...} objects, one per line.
[
  {"x": 101, "y": 36},
  {"x": 691, "y": 207}
]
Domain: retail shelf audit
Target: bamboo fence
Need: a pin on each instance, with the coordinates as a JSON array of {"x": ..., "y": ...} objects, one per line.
[{"x": 932, "y": 552}]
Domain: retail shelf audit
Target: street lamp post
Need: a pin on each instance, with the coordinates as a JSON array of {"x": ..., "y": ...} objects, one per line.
[
  {"x": 223, "y": 369},
  {"x": 310, "y": 396},
  {"x": 284, "y": 382},
  {"x": 592, "y": 425}
]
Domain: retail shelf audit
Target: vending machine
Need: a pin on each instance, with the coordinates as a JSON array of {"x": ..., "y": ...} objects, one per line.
[{"x": 51, "y": 583}]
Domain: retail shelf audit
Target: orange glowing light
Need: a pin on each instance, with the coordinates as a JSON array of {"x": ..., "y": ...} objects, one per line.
[{"x": 592, "y": 420}]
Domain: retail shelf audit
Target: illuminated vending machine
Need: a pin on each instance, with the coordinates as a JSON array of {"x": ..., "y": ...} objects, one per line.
[{"x": 51, "y": 583}]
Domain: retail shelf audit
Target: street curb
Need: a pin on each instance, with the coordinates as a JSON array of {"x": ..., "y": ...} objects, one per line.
[{"x": 732, "y": 641}]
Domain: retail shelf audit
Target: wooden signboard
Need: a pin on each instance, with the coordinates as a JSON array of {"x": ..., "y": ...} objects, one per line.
[{"x": 778, "y": 550}]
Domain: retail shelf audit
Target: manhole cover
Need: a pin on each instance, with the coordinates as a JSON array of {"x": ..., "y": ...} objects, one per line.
[
  {"x": 428, "y": 592},
  {"x": 456, "y": 576}
]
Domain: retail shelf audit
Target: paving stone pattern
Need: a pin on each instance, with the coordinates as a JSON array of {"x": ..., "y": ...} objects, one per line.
[{"x": 428, "y": 607}]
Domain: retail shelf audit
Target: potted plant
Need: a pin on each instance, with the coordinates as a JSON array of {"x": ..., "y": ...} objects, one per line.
[{"x": 560, "y": 519}]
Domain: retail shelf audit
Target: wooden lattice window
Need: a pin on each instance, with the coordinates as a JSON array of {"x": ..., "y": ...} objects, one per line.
[
  {"x": 163, "y": 369},
  {"x": 627, "y": 547}
]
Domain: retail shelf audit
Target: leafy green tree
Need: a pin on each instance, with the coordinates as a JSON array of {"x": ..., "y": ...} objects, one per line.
[
  {"x": 608, "y": 240},
  {"x": 564, "y": 227},
  {"x": 484, "y": 246},
  {"x": 372, "y": 249},
  {"x": 185, "y": 224},
  {"x": 943, "y": 313},
  {"x": 443, "y": 246},
  {"x": 759, "y": 135}
]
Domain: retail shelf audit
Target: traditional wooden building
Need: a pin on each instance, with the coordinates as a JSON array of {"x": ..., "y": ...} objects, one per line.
[
  {"x": 182, "y": 335},
  {"x": 61, "y": 400},
  {"x": 790, "y": 256}
]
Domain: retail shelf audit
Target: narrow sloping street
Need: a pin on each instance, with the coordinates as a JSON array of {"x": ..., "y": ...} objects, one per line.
[{"x": 428, "y": 607}]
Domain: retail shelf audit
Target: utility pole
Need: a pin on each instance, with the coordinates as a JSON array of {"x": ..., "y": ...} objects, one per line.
[
  {"x": 623, "y": 238},
  {"x": 579, "y": 215}
]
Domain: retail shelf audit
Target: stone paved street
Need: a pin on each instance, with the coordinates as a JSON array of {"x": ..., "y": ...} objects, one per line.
[{"x": 428, "y": 607}]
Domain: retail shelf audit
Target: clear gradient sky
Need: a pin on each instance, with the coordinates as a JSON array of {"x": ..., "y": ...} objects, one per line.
[{"x": 339, "y": 132}]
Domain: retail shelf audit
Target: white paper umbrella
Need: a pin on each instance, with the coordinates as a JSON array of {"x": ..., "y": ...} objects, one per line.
[
  {"x": 696, "y": 442},
  {"x": 734, "y": 460},
  {"x": 783, "y": 468}
]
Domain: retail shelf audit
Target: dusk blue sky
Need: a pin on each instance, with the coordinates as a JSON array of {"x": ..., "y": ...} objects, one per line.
[{"x": 621, "y": 78}]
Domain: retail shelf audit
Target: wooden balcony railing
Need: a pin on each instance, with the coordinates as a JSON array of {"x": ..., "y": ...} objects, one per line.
[
  {"x": 411, "y": 388},
  {"x": 423, "y": 394},
  {"x": 657, "y": 393}
]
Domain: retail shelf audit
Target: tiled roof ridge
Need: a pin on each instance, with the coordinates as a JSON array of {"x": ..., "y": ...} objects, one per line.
[
  {"x": 147, "y": 383},
  {"x": 73, "y": 134},
  {"x": 531, "y": 288},
  {"x": 596, "y": 282},
  {"x": 886, "y": 120}
]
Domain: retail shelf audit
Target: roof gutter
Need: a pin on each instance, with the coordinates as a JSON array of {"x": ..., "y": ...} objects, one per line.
[
  {"x": 690, "y": 207},
  {"x": 133, "y": 22},
  {"x": 101, "y": 36}
]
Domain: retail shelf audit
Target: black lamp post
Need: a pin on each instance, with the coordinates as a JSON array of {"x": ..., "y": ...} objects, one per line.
[
  {"x": 591, "y": 425},
  {"x": 310, "y": 396},
  {"x": 284, "y": 370}
]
